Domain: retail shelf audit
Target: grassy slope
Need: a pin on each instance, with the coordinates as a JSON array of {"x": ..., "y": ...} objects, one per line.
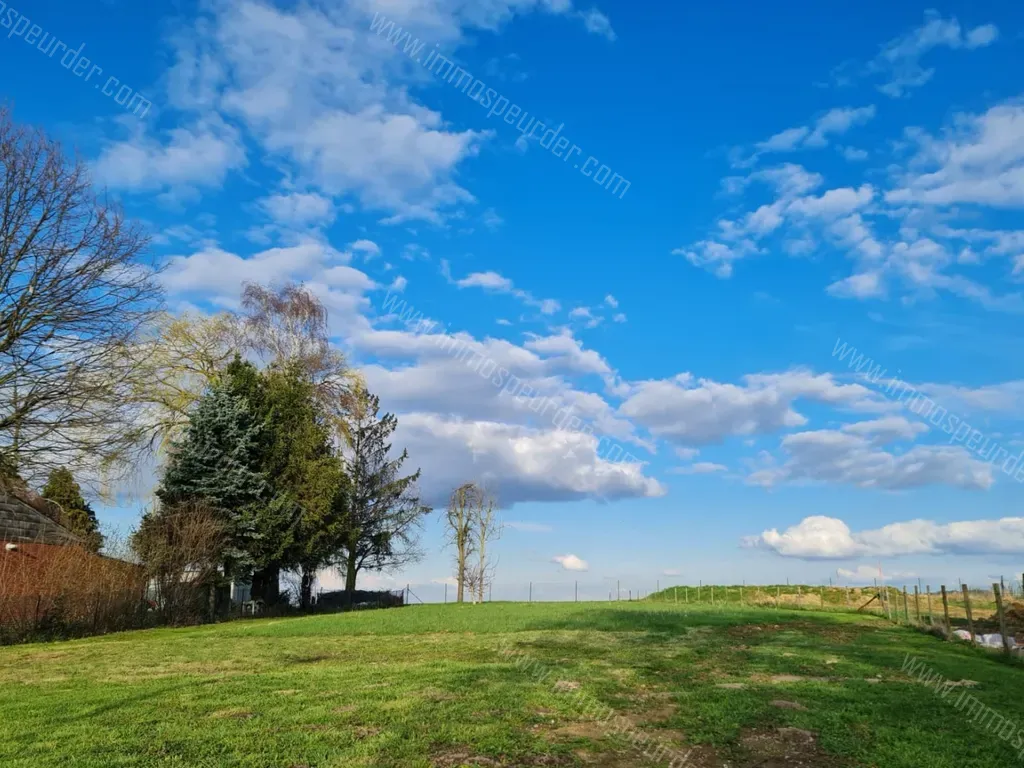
[{"x": 427, "y": 686}]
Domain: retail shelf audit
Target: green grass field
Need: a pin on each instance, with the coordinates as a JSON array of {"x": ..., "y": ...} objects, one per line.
[{"x": 505, "y": 684}]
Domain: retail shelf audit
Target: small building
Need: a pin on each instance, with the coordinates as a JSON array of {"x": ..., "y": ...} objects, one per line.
[{"x": 48, "y": 575}]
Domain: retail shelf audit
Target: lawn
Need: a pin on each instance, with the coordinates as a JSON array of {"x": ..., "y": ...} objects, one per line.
[{"x": 506, "y": 684}]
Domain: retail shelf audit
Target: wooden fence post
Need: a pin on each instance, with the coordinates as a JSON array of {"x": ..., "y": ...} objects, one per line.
[
  {"x": 967, "y": 608},
  {"x": 945, "y": 609},
  {"x": 906, "y": 605},
  {"x": 917, "y": 603},
  {"x": 675, "y": 593},
  {"x": 778, "y": 593},
  {"x": 931, "y": 616},
  {"x": 531, "y": 591},
  {"x": 712, "y": 594},
  {"x": 1002, "y": 618},
  {"x": 576, "y": 597}
]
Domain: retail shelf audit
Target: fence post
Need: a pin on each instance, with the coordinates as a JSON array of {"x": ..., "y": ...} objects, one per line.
[
  {"x": 631, "y": 595},
  {"x": 967, "y": 608},
  {"x": 531, "y": 591},
  {"x": 712, "y": 594},
  {"x": 741, "y": 595},
  {"x": 618, "y": 591},
  {"x": 931, "y": 616},
  {"x": 778, "y": 593},
  {"x": 1002, "y": 618},
  {"x": 945, "y": 609},
  {"x": 917, "y": 603},
  {"x": 906, "y": 605},
  {"x": 446, "y": 593},
  {"x": 675, "y": 593},
  {"x": 576, "y": 598}
]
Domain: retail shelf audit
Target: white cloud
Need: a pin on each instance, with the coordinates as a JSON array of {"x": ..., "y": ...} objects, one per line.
[
  {"x": 197, "y": 156},
  {"x": 489, "y": 280},
  {"x": 701, "y": 411},
  {"x": 887, "y": 429},
  {"x": 899, "y": 61},
  {"x": 598, "y": 24},
  {"x": 852, "y": 458},
  {"x": 519, "y": 463},
  {"x": 979, "y": 161},
  {"x": 671, "y": 572},
  {"x": 823, "y": 537},
  {"x": 611, "y": 301},
  {"x": 571, "y": 563},
  {"x": 835, "y": 122},
  {"x": 298, "y": 209},
  {"x": 492, "y": 281},
  {"x": 700, "y": 468},
  {"x": 366, "y": 247}
]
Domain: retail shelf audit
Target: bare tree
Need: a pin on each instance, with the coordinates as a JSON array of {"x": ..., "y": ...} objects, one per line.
[
  {"x": 73, "y": 296},
  {"x": 460, "y": 520},
  {"x": 488, "y": 528},
  {"x": 181, "y": 548}
]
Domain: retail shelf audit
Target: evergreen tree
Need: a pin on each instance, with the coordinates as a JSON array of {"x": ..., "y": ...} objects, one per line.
[
  {"x": 75, "y": 513},
  {"x": 304, "y": 471},
  {"x": 217, "y": 461},
  {"x": 384, "y": 509}
]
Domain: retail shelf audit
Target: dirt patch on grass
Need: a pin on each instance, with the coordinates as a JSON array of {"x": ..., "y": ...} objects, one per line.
[
  {"x": 232, "y": 714},
  {"x": 785, "y": 748},
  {"x": 464, "y": 759},
  {"x": 781, "y": 704}
]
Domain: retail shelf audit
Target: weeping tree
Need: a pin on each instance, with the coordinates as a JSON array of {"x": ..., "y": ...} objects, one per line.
[
  {"x": 74, "y": 295},
  {"x": 384, "y": 509},
  {"x": 288, "y": 325}
]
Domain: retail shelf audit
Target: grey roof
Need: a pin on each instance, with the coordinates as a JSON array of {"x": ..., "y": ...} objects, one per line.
[{"x": 20, "y": 522}]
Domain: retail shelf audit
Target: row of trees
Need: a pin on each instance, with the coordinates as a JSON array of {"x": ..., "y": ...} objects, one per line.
[
  {"x": 271, "y": 455},
  {"x": 293, "y": 459},
  {"x": 263, "y": 436}
]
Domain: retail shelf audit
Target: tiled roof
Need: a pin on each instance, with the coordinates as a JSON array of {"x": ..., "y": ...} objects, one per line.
[{"x": 20, "y": 522}]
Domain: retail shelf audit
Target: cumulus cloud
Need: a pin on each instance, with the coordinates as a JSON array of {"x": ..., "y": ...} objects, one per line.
[
  {"x": 298, "y": 209},
  {"x": 693, "y": 411},
  {"x": 571, "y": 563},
  {"x": 334, "y": 109},
  {"x": 822, "y": 537},
  {"x": 979, "y": 161},
  {"x": 519, "y": 463},
  {"x": 851, "y": 458},
  {"x": 185, "y": 158}
]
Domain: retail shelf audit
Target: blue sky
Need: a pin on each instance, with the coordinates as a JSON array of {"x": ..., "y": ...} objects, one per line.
[{"x": 795, "y": 179}]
